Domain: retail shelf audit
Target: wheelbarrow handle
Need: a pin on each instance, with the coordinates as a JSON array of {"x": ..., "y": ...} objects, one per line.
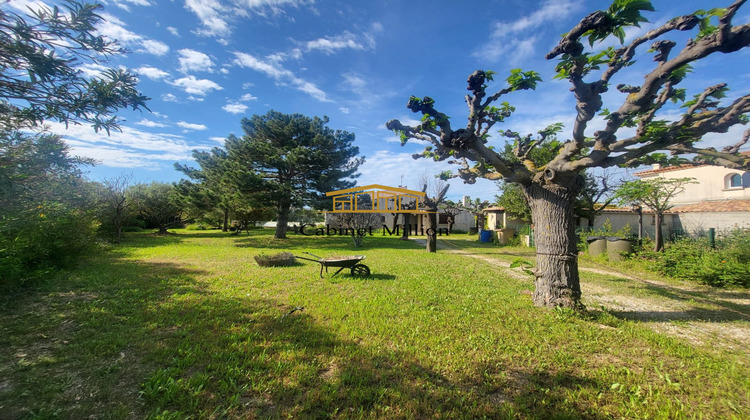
[{"x": 308, "y": 253}]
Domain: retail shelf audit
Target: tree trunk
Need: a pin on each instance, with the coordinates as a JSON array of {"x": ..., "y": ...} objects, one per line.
[
  {"x": 118, "y": 223},
  {"x": 557, "y": 282},
  {"x": 282, "y": 217},
  {"x": 658, "y": 237},
  {"x": 226, "y": 220},
  {"x": 405, "y": 234},
  {"x": 431, "y": 230},
  {"x": 591, "y": 223}
]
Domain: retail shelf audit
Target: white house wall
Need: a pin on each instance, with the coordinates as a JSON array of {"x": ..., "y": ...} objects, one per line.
[
  {"x": 711, "y": 184},
  {"x": 699, "y": 223}
]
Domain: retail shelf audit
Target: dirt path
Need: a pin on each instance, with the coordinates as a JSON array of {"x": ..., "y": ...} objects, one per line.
[{"x": 700, "y": 315}]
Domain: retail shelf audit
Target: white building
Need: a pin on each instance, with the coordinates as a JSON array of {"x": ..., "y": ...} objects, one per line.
[{"x": 719, "y": 199}]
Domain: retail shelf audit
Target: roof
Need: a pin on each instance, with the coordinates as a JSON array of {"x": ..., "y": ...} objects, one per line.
[
  {"x": 494, "y": 209},
  {"x": 666, "y": 169},
  {"x": 718, "y": 206},
  {"x": 650, "y": 172},
  {"x": 376, "y": 186}
]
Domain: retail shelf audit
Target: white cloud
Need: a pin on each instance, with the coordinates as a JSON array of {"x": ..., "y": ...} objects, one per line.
[
  {"x": 218, "y": 139},
  {"x": 114, "y": 29},
  {"x": 247, "y": 97},
  {"x": 192, "y": 60},
  {"x": 235, "y": 108},
  {"x": 151, "y": 46},
  {"x": 91, "y": 70},
  {"x": 151, "y": 72},
  {"x": 191, "y": 127},
  {"x": 211, "y": 14},
  {"x": 172, "y": 30},
  {"x": 124, "y": 4},
  {"x": 344, "y": 110},
  {"x": 149, "y": 123},
  {"x": 130, "y": 148},
  {"x": 215, "y": 15},
  {"x": 510, "y": 38},
  {"x": 330, "y": 45},
  {"x": 168, "y": 97},
  {"x": 280, "y": 74},
  {"x": 194, "y": 86}
]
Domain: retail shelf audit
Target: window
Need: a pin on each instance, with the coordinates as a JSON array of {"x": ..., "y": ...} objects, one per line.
[{"x": 734, "y": 181}]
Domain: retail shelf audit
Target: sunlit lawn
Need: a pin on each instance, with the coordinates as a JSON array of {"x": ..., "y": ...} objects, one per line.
[{"x": 189, "y": 326}]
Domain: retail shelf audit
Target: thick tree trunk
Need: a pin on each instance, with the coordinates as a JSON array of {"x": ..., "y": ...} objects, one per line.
[
  {"x": 591, "y": 222},
  {"x": 658, "y": 236},
  {"x": 431, "y": 230},
  {"x": 226, "y": 220},
  {"x": 282, "y": 217},
  {"x": 557, "y": 282}
]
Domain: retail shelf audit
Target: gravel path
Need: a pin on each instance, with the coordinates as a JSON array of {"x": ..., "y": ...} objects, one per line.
[{"x": 698, "y": 314}]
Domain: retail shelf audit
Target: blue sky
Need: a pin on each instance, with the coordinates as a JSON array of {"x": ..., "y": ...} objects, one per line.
[{"x": 207, "y": 64}]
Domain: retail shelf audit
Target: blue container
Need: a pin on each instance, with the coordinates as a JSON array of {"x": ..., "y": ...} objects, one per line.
[{"x": 485, "y": 236}]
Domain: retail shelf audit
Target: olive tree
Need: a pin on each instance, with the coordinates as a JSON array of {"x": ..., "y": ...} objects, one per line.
[{"x": 551, "y": 188}]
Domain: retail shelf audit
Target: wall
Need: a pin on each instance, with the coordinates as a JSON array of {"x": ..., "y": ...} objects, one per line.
[
  {"x": 710, "y": 186},
  {"x": 619, "y": 220},
  {"x": 699, "y": 223}
]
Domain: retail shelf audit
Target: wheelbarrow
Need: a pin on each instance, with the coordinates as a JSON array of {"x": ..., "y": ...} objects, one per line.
[{"x": 351, "y": 262}]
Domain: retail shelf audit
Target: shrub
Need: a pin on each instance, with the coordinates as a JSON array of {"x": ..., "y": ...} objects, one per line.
[{"x": 694, "y": 259}]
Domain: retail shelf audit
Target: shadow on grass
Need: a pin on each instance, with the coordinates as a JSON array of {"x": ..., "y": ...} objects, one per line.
[
  {"x": 698, "y": 314},
  {"x": 121, "y": 338}
]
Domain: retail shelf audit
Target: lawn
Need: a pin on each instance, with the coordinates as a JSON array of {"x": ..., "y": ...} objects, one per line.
[{"x": 187, "y": 325}]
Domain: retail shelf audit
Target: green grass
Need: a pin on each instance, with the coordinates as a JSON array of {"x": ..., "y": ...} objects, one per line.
[{"x": 187, "y": 325}]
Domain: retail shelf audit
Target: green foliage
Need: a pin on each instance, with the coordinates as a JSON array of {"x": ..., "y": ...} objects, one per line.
[
  {"x": 39, "y": 56},
  {"x": 46, "y": 207},
  {"x": 655, "y": 193},
  {"x": 157, "y": 204},
  {"x": 523, "y": 80},
  {"x": 620, "y": 15},
  {"x": 694, "y": 259},
  {"x": 511, "y": 197},
  {"x": 297, "y": 159},
  {"x": 716, "y": 94},
  {"x": 586, "y": 61},
  {"x": 704, "y": 25}
]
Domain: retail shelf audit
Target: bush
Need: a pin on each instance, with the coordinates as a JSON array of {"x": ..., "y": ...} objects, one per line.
[
  {"x": 694, "y": 259},
  {"x": 36, "y": 243}
]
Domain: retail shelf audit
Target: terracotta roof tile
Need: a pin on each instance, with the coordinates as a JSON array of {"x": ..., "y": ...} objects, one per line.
[
  {"x": 667, "y": 169},
  {"x": 715, "y": 206}
]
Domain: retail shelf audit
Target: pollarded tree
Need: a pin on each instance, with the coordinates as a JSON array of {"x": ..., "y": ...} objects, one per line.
[
  {"x": 551, "y": 188},
  {"x": 299, "y": 158},
  {"x": 435, "y": 190},
  {"x": 656, "y": 194},
  {"x": 39, "y": 58}
]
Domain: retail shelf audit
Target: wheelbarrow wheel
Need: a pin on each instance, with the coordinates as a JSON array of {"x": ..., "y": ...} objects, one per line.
[{"x": 360, "y": 270}]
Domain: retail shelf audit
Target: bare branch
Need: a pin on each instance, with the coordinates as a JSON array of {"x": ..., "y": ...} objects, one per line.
[{"x": 734, "y": 149}]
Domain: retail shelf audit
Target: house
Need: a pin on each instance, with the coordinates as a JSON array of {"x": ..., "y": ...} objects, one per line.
[
  {"x": 498, "y": 218},
  {"x": 719, "y": 199}
]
